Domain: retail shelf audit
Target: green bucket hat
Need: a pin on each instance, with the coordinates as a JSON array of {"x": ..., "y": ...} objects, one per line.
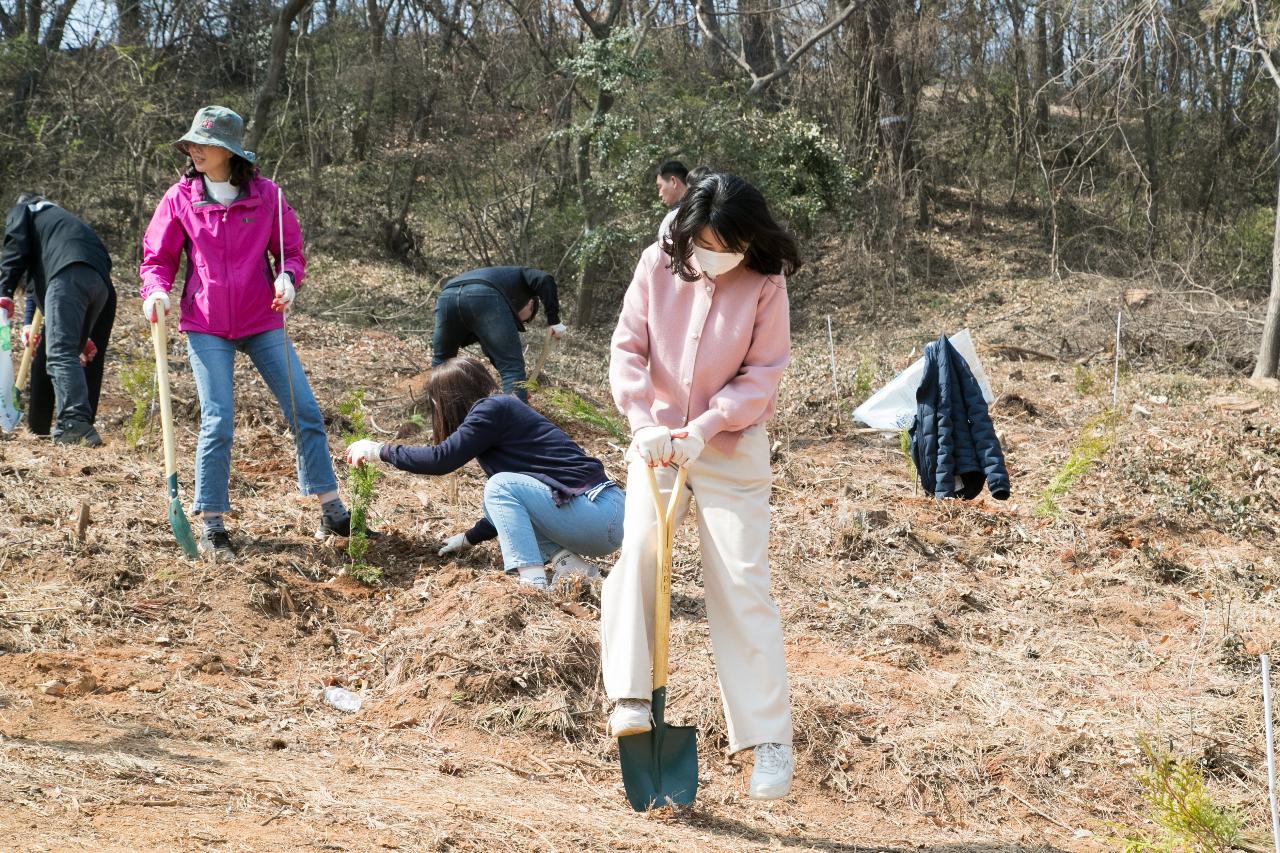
[{"x": 217, "y": 126}]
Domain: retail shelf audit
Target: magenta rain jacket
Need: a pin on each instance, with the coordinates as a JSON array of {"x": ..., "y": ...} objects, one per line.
[{"x": 230, "y": 276}]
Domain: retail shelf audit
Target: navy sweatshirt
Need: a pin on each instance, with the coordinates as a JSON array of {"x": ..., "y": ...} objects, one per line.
[{"x": 505, "y": 436}]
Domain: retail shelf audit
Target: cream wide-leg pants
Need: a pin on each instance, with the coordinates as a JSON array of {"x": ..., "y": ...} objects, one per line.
[{"x": 732, "y": 491}]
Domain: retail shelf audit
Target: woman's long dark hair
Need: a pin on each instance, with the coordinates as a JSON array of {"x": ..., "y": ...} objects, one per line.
[
  {"x": 242, "y": 171},
  {"x": 737, "y": 212},
  {"x": 454, "y": 387}
]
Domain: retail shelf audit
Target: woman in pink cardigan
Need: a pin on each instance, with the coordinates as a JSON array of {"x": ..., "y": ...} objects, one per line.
[
  {"x": 700, "y": 347},
  {"x": 227, "y": 220}
]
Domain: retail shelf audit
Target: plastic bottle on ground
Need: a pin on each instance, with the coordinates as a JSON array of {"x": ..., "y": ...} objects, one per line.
[{"x": 342, "y": 699}]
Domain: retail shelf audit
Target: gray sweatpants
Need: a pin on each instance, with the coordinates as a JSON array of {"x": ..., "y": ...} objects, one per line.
[{"x": 73, "y": 300}]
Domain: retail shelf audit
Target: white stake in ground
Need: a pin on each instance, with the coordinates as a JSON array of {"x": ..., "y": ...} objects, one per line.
[
  {"x": 1271, "y": 749},
  {"x": 835, "y": 385},
  {"x": 1115, "y": 380}
]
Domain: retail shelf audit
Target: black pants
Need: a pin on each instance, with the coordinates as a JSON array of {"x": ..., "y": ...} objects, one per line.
[{"x": 41, "y": 400}]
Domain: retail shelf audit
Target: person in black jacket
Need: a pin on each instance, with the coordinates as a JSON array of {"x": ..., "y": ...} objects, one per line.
[
  {"x": 491, "y": 306},
  {"x": 953, "y": 441},
  {"x": 545, "y": 500},
  {"x": 68, "y": 275}
]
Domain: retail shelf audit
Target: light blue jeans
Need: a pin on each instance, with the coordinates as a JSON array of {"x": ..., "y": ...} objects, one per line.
[
  {"x": 531, "y": 528},
  {"x": 212, "y": 362}
]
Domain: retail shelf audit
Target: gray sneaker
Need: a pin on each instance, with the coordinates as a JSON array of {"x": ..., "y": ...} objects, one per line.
[
  {"x": 215, "y": 546},
  {"x": 566, "y": 564},
  {"x": 77, "y": 432}
]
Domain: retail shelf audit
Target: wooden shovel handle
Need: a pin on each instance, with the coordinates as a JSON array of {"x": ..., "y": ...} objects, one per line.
[
  {"x": 542, "y": 358},
  {"x": 665, "y": 528},
  {"x": 160, "y": 342},
  {"x": 28, "y": 352}
]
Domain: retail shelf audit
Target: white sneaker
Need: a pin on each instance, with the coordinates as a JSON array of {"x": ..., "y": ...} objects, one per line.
[
  {"x": 775, "y": 765},
  {"x": 534, "y": 576},
  {"x": 630, "y": 717},
  {"x": 566, "y": 564}
]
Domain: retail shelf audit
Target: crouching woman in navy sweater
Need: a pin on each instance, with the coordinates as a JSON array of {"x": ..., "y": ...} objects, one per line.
[{"x": 545, "y": 500}]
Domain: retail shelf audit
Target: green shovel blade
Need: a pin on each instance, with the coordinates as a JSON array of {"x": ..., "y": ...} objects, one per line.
[
  {"x": 178, "y": 521},
  {"x": 660, "y": 767}
]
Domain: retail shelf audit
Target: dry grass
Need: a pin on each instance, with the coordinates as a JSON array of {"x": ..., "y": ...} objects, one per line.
[{"x": 964, "y": 675}]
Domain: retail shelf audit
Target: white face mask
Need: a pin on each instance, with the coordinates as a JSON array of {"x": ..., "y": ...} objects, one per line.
[{"x": 716, "y": 263}]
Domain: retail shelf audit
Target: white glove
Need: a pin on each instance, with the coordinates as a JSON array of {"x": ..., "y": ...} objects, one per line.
[
  {"x": 686, "y": 446},
  {"x": 653, "y": 445},
  {"x": 149, "y": 305},
  {"x": 559, "y": 330},
  {"x": 365, "y": 451},
  {"x": 285, "y": 291},
  {"x": 29, "y": 341},
  {"x": 455, "y": 545}
]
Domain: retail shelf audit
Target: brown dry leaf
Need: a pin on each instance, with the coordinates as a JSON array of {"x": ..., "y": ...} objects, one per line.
[
  {"x": 1234, "y": 403},
  {"x": 577, "y": 610}
]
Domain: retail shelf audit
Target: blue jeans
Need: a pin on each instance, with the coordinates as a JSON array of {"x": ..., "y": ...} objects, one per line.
[
  {"x": 476, "y": 312},
  {"x": 212, "y": 362},
  {"x": 531, "y": 528}
]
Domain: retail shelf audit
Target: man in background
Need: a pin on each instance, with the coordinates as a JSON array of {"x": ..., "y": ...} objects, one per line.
[
  {"x": 691, "y": 179},
  {"x": 672, "y": 180},
  {"x": 491, "y": 306},
  {"x": 68, "y": 277}
]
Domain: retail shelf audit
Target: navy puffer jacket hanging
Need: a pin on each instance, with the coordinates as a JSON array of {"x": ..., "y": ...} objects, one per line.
[{"x": 953, "y": 441}]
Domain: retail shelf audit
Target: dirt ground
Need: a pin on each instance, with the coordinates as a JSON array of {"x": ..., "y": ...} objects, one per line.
[{"x": 965, "y": 676}]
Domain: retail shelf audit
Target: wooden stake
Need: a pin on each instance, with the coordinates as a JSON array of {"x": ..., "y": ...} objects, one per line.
[{"x": 82, "y": 521}]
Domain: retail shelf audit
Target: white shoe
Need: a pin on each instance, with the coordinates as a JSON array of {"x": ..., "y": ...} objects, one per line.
[
  {"x": 775, "y": 765},
  {"x": 534, "y": 576},
  {"x": 566, "y": 564},
  {"x": 630, "y": 717}
]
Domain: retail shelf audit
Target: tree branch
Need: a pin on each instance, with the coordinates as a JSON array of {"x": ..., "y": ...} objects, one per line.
[
  {"x": 762, "y": 83},
  {"x": 712, "y": 32},
  {"x": 759, "y": 84},
  {"x": 53, "y": 37}
]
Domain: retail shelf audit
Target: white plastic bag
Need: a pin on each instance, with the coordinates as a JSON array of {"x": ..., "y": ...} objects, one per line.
[
  {"x": 9, "y": 414},
  {"x": 893, "y": 407}
]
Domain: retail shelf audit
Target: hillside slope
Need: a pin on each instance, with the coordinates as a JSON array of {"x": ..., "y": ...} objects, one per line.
[{"x": 966, "y": 676}]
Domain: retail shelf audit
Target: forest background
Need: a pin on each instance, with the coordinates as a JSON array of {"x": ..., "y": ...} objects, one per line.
[{"x": 1139, "y": 135}]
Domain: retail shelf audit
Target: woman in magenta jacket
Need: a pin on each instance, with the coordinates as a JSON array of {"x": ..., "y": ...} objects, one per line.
[{"x": 226, "y": 217}]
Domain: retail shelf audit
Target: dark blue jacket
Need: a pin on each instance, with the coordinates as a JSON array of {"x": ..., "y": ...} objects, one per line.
[
  {"x": 517, "y": 285},
  {"x": 40, "y": 241},
  {"x": 953, "y": 442},
  {"x": 504, "y": 435}
]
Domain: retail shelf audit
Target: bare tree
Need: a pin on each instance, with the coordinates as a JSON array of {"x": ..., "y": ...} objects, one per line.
[
  {"x": 1264, "y": 44},
  {"x": 377, "y": 23},
  {"x": 764, "y": 73},
  {"x": 270, "y": 89},
  {"x": 594, "y": 214},
  {"x": 27, "y": 20}
]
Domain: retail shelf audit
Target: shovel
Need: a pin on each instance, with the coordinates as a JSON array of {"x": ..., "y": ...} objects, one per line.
[
  {"x": 24, "y": 369},
  {"x": 660, "y": 766},
  {"x": 177, "y": 519},
  {"x": 542, "y": 359}
]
